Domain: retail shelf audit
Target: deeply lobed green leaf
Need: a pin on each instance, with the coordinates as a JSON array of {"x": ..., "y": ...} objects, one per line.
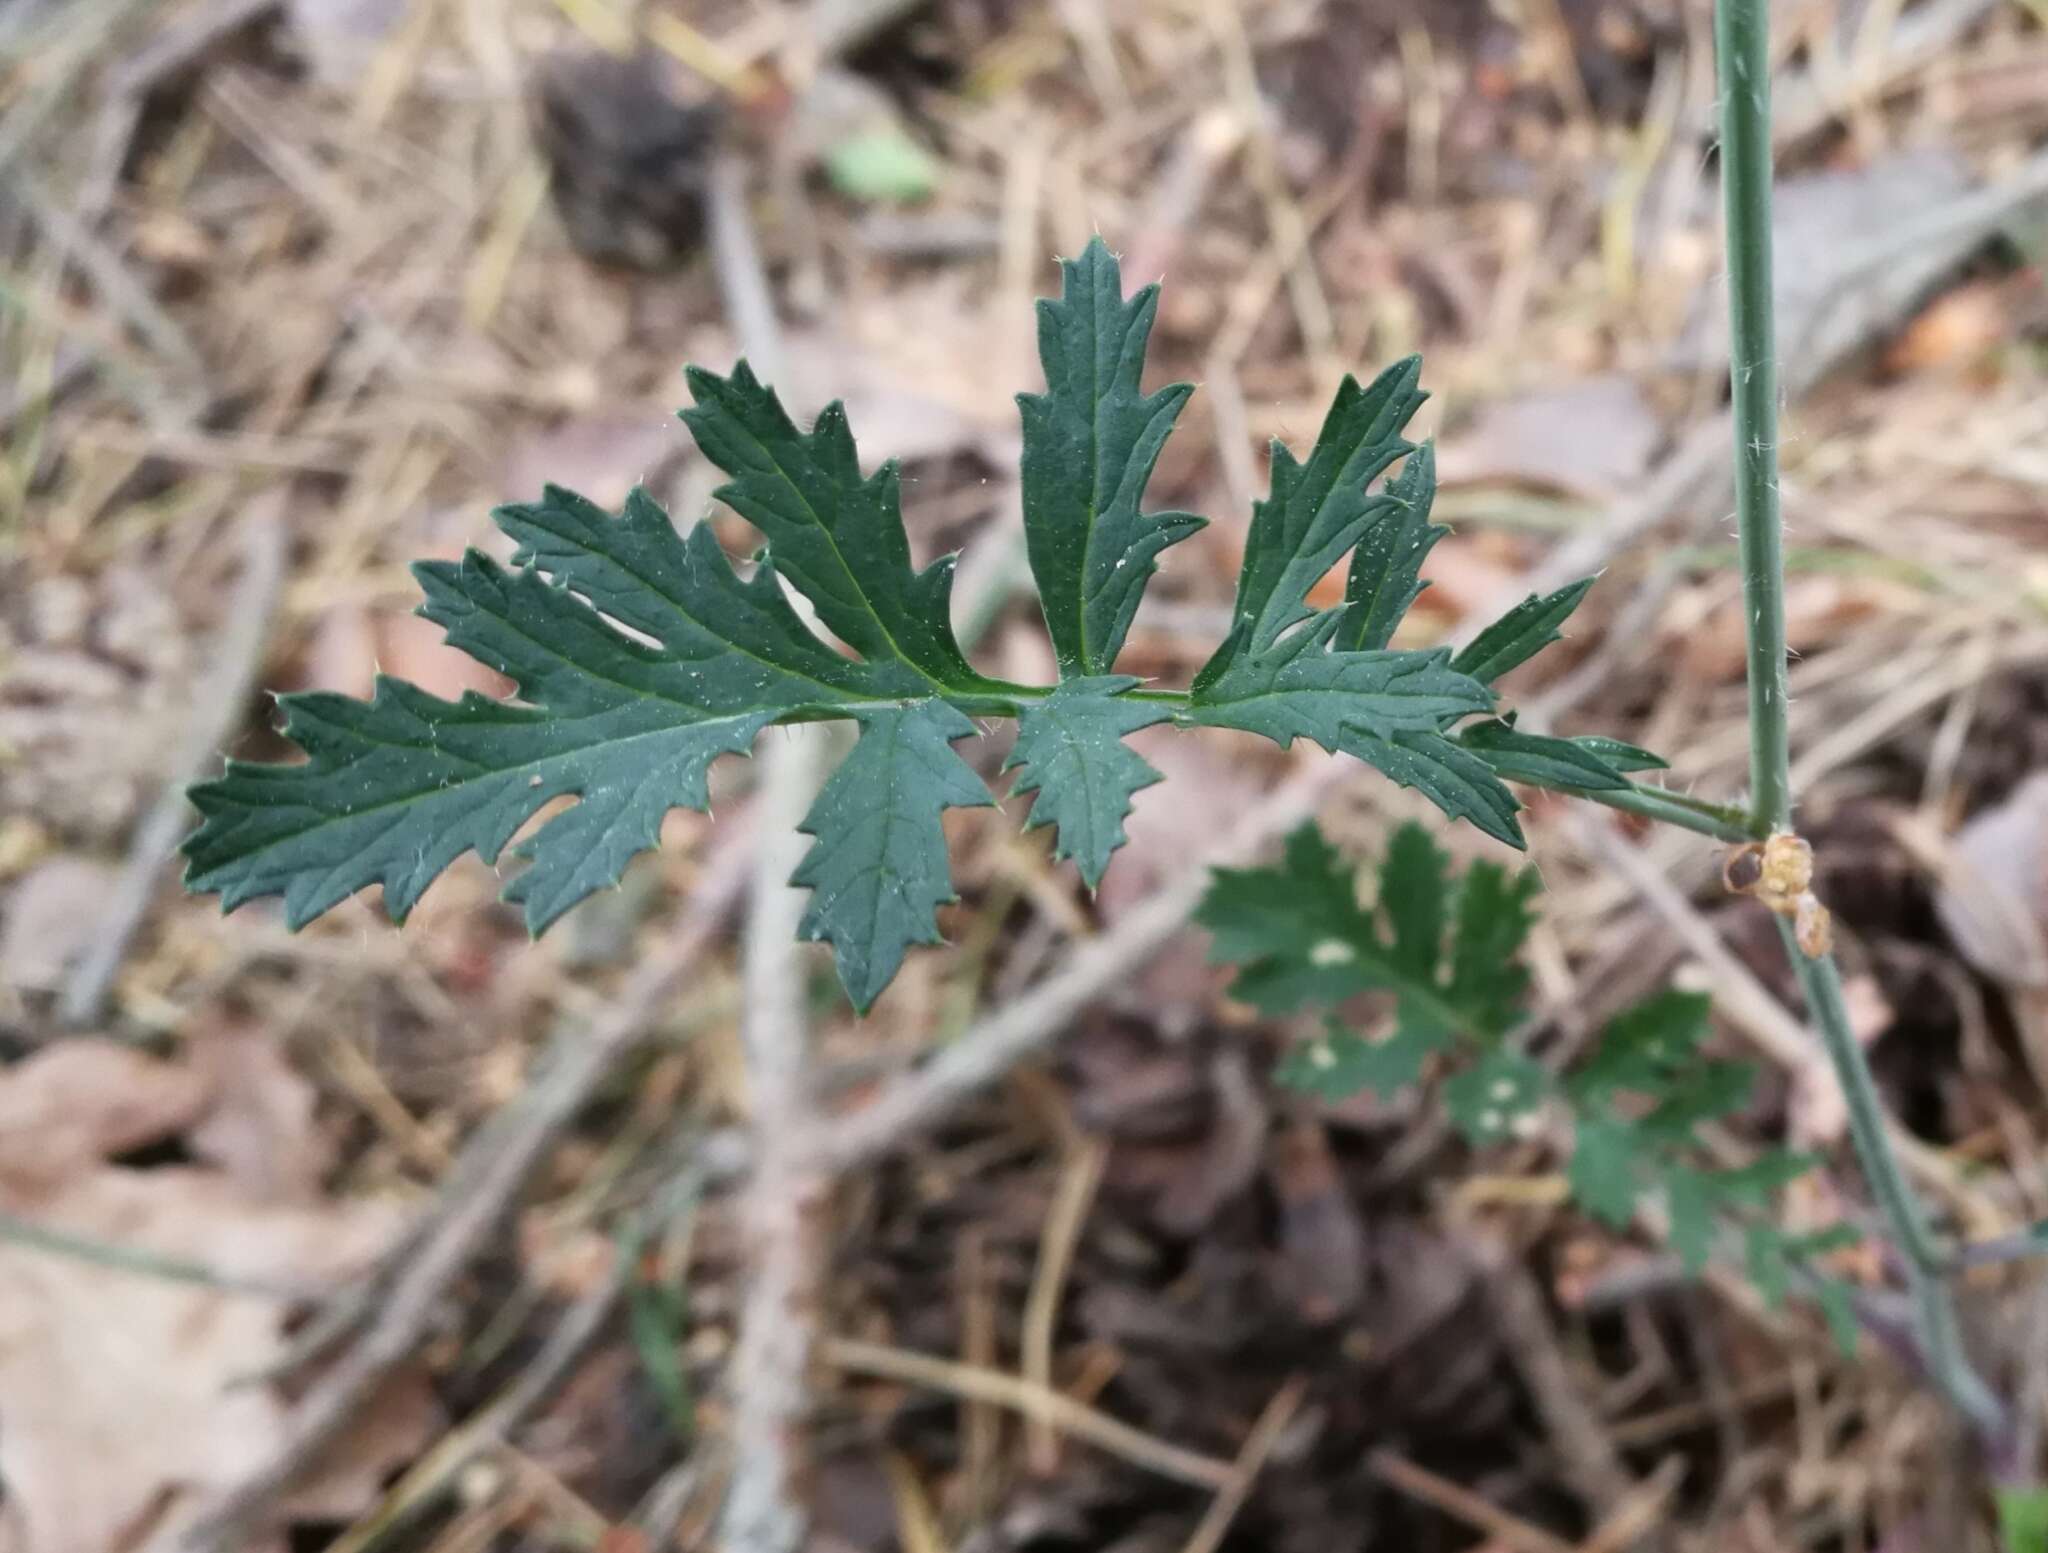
[
  {"x": 1300, "y": 938},
  {"x": 1449, "y": 950},
  {"x": 1287, "y": 671},
  {"x": 399, "y": 787},
  {"x": 1385, "y": 578},
  {"x": 836, "y": 535},
  {"x": 1090, "y": 443},
  {"x": 639, "y": 656},
  {"x": 1521, "y": 633}
]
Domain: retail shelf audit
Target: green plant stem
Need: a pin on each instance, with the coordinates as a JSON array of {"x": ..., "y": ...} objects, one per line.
[
  {"x": 1742, "y": 48},
  {"x": 1926, "y": 1265},
  {"x": 1723, "y": 822}
]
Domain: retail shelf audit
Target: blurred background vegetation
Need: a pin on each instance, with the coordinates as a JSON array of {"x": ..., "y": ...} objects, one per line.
[{"x": 293, "y": 291}]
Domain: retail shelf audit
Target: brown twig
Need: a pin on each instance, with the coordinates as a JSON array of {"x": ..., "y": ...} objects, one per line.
[
  {"x": 1633, "y": 1521},
  {"x": 178, "y": 46},
  {"x": 1251, "y": 1460},
  {"x": 1461, "y": 1504},
  {"x": 660, "y": 1514},
  {"x": 1071, "y": 1417},
  {"x": 1063, "y": 1222},
  {"x": 427, "y": 1479},
  {"x": 764, "y": 1510},
  {"x": 1591, "y": 1464},
  {"x": 112, "y": 279}
]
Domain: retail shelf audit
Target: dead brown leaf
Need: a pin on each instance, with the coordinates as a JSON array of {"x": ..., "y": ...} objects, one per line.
[
  {"x": 1591, "y": 438},
  {"x": 1955, "y": 329},
  {"x": 82, "y": 1101},
  {"x": 125, "y": 1398},
  {"x": 1993, "y": 897},
  {"x": 48, "y": 918},
  {"x": 259, "y": 1128}
]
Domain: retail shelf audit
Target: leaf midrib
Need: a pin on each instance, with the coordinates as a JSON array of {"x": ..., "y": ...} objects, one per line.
[
  {"x": 486, "y": 773},
  {"x": 1283, "y": 692},
  {"x": 1095, "y": 398}
]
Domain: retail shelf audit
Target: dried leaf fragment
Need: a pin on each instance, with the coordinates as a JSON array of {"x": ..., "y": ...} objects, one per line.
[
  {"x": 122, "y": 1397},
  {"x": 1779, "y": 873}
]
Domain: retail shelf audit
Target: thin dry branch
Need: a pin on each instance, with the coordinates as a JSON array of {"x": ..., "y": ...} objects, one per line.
[
  {"x": 217, "y": 704},
  {"x": 430, "y": 1477},
  {"x": 1251, "y": 1461},
  {"x": 1064, "y": 1219},
  {"x": 1083, "y": 1423},
  {"x": 1591, "y": 1463},
  {"x": 1417, "y": 1482},
  {"x": 764, "y": 1508}
]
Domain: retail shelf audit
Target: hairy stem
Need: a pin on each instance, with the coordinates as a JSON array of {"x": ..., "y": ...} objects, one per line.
[{"x": 1742, "y": 49}]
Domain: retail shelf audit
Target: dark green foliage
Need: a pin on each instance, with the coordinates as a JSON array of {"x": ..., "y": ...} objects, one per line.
[
  {"x": 1444, "y": 953},
  {"x": 1538, "y": 758},
  {"x": 1638, "y": 1102},
  {"x": 2023, "y": 1519},
  {"x": 1521, "y": 633},
  {"x": 1498, "y": 1097},
  {"x": 1386, "y": 569},
  {"x": 627, "y": 722},
  {"x": 835, "y": 535},
  {"x": 1289, "y": 672},
  {"x": 398, "y": 787},
  {"x": 1301, "y": 939}
]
